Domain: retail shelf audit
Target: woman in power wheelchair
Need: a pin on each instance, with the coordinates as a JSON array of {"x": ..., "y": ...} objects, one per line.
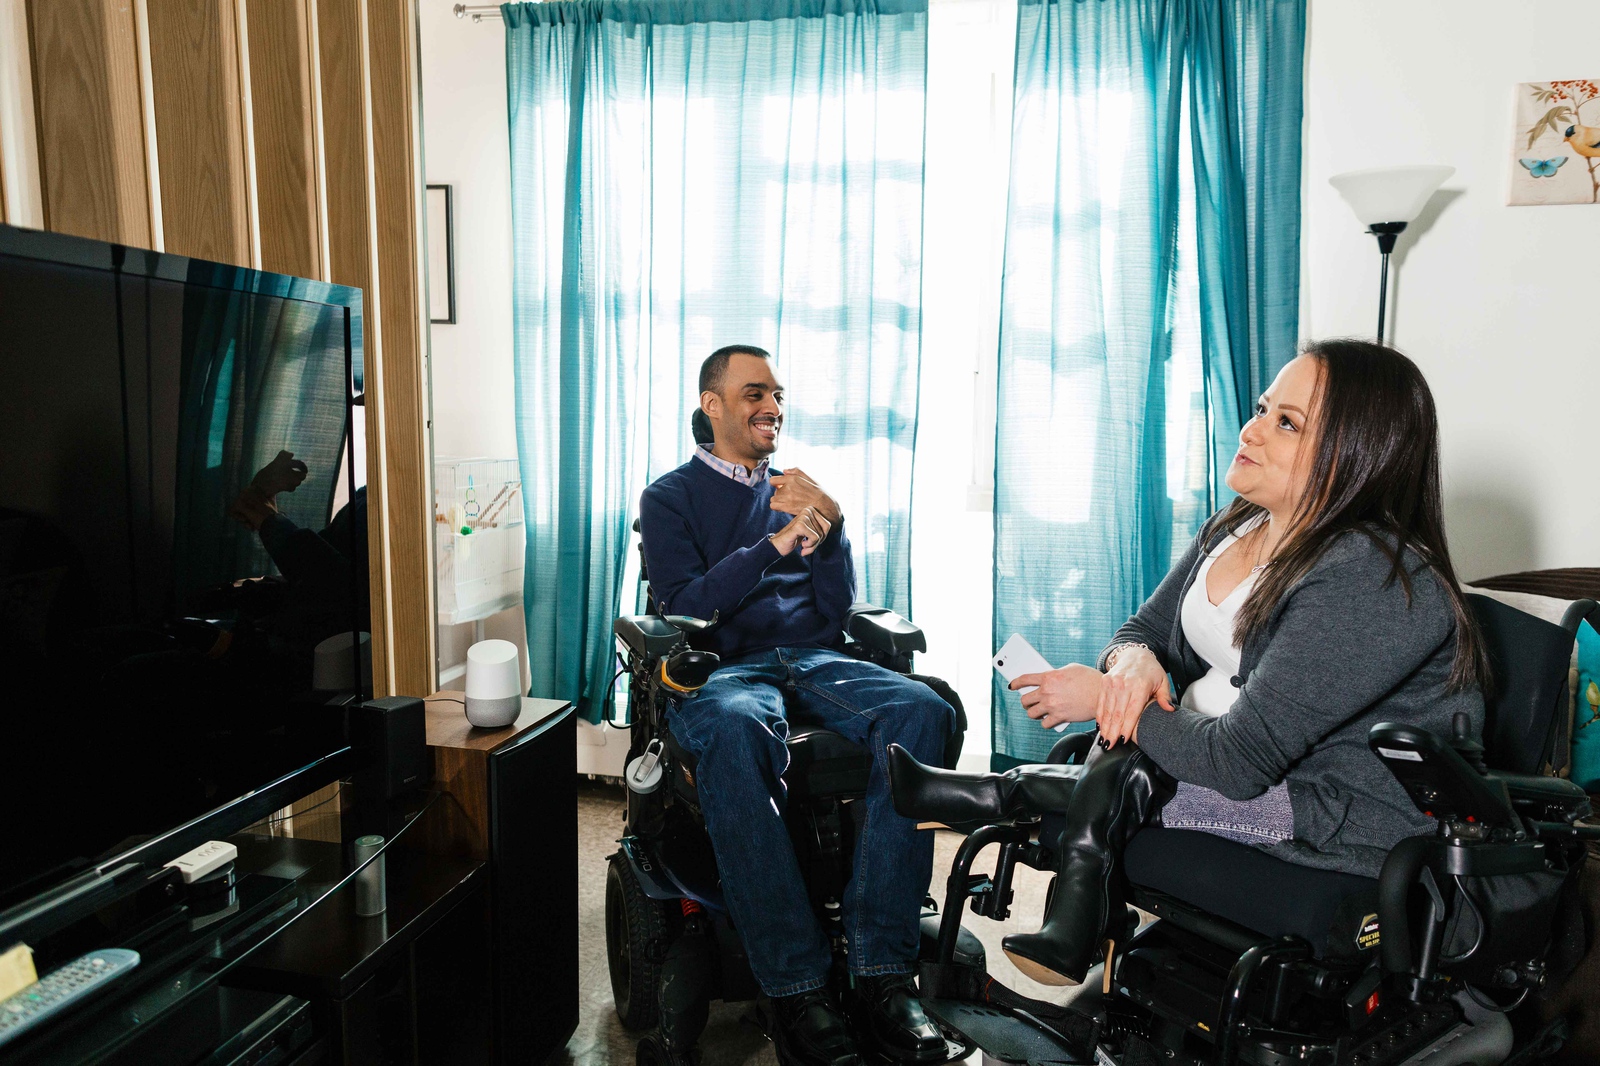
[{"x": 1336, "y": 861}]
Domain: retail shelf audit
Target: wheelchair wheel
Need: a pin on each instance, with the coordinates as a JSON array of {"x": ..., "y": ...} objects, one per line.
[{"x": 636, "y": 925}]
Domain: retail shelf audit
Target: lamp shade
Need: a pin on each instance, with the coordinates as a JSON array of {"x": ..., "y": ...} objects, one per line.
[{"x": 1389, "y": 194}]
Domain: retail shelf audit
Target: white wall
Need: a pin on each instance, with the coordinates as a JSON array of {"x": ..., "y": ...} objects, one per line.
[
  {"x": 1495, "y": 303},
  {"x": 465, "y": 145}
]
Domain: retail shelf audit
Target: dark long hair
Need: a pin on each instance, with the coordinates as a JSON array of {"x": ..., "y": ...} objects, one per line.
[{"x": 1375, "y": 471}]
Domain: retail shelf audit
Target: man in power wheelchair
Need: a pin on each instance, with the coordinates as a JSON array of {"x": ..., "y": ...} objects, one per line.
[{"x": 762, "y": 850}]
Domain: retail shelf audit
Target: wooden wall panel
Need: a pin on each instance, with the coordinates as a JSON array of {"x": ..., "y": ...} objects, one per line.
[
  {"x": 87, "y": 112},
  {"x": 199, "y": 110},
  {"x": 396, "y": 140},
  {"x": 352, "y": 255},
  {"x": 285, "y": 137},
  {"x": 275, "y": 133}
]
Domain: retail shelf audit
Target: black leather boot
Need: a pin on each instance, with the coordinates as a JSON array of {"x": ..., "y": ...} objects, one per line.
[
  {"x": 955, "y": 798},
  {"x": 888, "y": 1010},
  {"x": 1119, "y": 791},
  {"x": 809, "y": 1030}
]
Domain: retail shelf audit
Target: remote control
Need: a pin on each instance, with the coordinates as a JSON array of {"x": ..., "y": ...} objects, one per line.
[
  {"x": 59, "y": 989},
  {"x": 206, "y": 859}
]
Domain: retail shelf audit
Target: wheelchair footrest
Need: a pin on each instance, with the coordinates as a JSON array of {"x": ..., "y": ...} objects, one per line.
[{"x": 1002, "y": 1034}]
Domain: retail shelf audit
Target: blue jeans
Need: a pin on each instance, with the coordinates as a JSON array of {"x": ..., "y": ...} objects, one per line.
[{"x": 736, "y": 727}]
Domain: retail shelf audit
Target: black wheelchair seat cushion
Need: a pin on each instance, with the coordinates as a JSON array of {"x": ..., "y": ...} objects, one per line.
[{"x": 1335, "y": 912}]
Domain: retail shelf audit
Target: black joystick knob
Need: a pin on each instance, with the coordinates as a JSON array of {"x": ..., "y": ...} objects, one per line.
[{"x": 1461, "y": 739}]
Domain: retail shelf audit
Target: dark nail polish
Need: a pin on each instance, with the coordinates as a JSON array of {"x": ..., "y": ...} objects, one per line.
[{"x": 1121, "y": 740}]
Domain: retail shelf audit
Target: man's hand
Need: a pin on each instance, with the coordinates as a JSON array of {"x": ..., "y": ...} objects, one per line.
[
  {"x": 806, "y": 530},
  {"x": 283, "y": 474},
  {"x": 252, "y": 508},
  {"x": 1069, "y": 694},
  {"x": 793, "y": 491}
]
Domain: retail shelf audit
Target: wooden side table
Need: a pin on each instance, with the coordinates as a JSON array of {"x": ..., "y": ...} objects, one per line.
[{"x": 518, "y": 793}]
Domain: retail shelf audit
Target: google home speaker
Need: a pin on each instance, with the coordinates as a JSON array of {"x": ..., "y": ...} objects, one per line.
[
  {"x": 494, "y": 684},
  {"x": 334, "y": 663}
]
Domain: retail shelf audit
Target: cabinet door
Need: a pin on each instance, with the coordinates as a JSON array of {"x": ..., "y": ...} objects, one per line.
[
  {"x": 454, "y": 1009},
  {"x": 533, "y": 845}
]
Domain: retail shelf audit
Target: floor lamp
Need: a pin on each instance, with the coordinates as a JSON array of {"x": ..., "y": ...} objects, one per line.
[{"x": 1386, "y": 200}]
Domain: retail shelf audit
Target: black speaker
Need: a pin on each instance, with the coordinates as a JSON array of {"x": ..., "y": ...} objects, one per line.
[{"x": 389, "y": 740}]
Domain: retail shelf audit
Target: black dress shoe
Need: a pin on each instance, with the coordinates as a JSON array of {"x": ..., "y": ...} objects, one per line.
[
  {"x": 809, "y": 1030},
  {"x": 924, "y": 792},
  {"x": 888, "y": 1010}
]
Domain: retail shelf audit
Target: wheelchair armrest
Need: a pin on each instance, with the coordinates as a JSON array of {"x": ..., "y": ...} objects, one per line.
[
  {"x": 1544, "y": 799},
  {"x": 882, "y": 630},
  {"x": 1072, "y": 748},
  {"x": 1439, "y": 781},
  {"x": 646, "y": 635}
]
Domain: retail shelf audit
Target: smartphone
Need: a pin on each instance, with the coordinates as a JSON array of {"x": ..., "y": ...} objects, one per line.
[{"x": 1017, "y": 657}]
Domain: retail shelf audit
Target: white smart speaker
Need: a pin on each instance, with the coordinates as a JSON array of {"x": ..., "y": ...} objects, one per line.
[
  {"x": 494, "y": 684},
  {"x": 333, "y": 664}
]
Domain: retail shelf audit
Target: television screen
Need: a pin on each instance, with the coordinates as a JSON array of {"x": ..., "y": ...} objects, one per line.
[{"x": 182, "y": 526}]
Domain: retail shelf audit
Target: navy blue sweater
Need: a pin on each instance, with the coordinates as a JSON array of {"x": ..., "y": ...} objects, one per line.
[{"x": 706, "y": 551}]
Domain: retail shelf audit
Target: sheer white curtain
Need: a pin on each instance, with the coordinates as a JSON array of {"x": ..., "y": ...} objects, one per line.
[
  {"x": 971, "y": 55},
  {"x": 968, "y": 154}
]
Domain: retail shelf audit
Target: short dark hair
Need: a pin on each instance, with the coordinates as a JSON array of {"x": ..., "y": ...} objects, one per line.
[{"x": 716, "y": 364}]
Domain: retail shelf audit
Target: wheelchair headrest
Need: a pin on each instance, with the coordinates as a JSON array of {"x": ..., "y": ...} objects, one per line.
[
  {"x": 700, "y": 426},
  {"x": 1528, "y": 658}
]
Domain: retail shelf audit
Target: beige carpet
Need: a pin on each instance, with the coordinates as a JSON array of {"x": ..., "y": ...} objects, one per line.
[{"x": 731, "y": 1039}]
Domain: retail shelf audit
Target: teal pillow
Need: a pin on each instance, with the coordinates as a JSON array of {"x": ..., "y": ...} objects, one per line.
[{"x": 1586, "y": 714}]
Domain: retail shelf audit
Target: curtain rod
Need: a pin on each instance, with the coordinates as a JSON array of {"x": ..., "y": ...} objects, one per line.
[{"x": 478, "y": 12}]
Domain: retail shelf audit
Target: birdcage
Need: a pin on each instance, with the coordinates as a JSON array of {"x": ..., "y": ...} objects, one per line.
[{"x": 479, "y": 537}]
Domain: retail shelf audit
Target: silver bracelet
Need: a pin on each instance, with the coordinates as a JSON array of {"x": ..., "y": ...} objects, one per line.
[{"x": 1111, "y": 656}]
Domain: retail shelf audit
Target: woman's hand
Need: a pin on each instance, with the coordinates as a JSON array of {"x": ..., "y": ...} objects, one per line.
[
  {"x": 1135, "y": 680},
  {"x": 1069, "y": 694}
]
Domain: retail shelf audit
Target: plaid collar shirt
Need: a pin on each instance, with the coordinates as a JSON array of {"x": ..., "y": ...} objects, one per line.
[{"x": 745, "y": 477}]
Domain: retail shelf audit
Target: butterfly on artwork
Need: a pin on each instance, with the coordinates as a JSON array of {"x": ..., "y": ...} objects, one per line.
[{"x": 1543, "y": 168}]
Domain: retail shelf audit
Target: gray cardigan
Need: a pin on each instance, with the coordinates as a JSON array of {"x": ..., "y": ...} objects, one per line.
[{"x": 1341, "y": 652}]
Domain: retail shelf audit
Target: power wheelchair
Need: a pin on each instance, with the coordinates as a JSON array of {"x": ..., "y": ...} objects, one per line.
[
  {"x": 670, "y": 944},
  {"x": 1439, "y": 961}
]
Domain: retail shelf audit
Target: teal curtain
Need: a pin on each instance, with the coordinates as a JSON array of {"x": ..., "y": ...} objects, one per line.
[
  {"x": 687, "y": 175},
  {"x": 1151, "y": 273}
]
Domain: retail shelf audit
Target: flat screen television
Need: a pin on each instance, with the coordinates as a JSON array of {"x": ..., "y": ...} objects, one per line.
[{"x": 162, "y": 606}]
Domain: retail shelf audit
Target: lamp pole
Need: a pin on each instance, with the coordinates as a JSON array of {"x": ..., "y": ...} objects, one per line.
[{"x": 1387, "y": 233}]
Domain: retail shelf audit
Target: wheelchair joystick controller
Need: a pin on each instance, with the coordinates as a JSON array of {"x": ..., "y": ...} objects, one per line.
[{"x": 1470, "y": 750}]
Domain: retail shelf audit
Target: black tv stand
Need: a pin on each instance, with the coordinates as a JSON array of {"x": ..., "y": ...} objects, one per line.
[
  {"x": 411, "y": 985},
  {"x": 283, "y": 964}
]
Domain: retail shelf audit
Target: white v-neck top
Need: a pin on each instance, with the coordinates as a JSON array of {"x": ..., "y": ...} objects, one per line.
[{"x": 1208, "y": 627}]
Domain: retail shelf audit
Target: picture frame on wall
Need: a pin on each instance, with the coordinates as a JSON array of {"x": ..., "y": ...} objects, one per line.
[
  {"x": 1555, "y": 143},
  {"x": 441, "y": 255}
]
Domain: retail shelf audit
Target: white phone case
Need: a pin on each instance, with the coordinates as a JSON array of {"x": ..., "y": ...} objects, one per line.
[{"x": 1017, "y": 657}]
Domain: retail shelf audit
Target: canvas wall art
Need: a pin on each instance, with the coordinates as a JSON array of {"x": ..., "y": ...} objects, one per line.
[{"x": 1555, "y": 145}]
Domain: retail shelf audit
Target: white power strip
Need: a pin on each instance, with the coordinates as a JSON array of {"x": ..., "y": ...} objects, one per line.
[{"x": 207, "y": 858}]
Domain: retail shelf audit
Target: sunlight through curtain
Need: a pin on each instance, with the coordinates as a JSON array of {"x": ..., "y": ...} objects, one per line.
[
  {"x": 1149, "y": 293},
  {"x": 688, "y": 174}
]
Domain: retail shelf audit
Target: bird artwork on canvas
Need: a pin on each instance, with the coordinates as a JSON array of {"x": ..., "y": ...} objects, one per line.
[{"x": 1558, "y": 122}]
